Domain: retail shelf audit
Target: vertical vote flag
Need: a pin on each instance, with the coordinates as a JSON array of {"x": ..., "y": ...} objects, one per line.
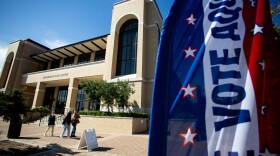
[{"x": 217, "y": 83}]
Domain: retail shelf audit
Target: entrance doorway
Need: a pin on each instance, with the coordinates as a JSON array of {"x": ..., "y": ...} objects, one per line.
[
  {"x": 49, "y": 97},
  {"x": 61, "y": 100}
]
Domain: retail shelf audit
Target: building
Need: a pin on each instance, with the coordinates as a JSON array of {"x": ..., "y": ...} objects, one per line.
[{"x": 51, "y": 76}]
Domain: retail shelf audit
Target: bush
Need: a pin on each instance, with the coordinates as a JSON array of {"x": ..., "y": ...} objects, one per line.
[
  {"x": 40, "y": 109},
  {"x": 116, "y": 114}
]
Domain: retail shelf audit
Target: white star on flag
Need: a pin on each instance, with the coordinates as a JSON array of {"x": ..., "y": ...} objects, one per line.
[
  {"x": 253, "y": 3},
  {"x": 191, "y": 20},
  {"x": 189, "y": 52},
  {"x": 263, "y": 110},
  {"x": 267, "y": 153},
  {"x": 188, "y": 137},
  {"x": 257, "y": 29},
  {"x": 188, "y": 91},
  {"x": 261, "y": 63}
]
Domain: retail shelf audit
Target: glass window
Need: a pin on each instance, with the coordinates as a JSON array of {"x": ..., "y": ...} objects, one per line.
[
  {"x": 61, "y": 99},
  {"x": 127, "y": 52},
  {"x": 55, "y": 64},
  {"x": 48, "y": 99},
  {"x": 81, "y": 98},
  {"x": 84, "y": 58},
  {"x": 45, "y": 66},
  {"x": 69, "y": 61},
  {"x": 99, "y": 55}
]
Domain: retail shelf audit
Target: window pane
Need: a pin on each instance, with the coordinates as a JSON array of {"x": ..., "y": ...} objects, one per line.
[
  {"x": 133, "y": 50},
  {"x": 84, "y": 58},
  {"x": 99, "y": 55},
  {"x": 123, "y": 68},
  {"x": 124, "y": 41},
  {"x": 128, "y": 67},
  {"x": 133, "y": 65},
  {"x": 124, "y": 53},
  {"x": 127, "y": 48},
  {"x": 55, "y": 64},
  {"x": 129, "y": 52},
  {"x": 68, "y": 61}
]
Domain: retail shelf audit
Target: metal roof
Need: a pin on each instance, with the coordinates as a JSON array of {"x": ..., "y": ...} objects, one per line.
[{"x": 90, "y": 45}]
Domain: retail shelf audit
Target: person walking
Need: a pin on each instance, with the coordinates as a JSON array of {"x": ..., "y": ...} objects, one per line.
[
  {"x": 66, "y": 125},
  {"x": 75, "y": 120},
  {"x": 51, "y": 123}
]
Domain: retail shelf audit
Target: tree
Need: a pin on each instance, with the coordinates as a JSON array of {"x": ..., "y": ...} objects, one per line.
[
  {"x": 277, "y": 36},
  {"x": 12, "y": 106},
  {"x": 275, "y": 11},
  {"x": 275, "y": 8},
  {"x": 124, "y": 90},
  {"x": 92, "y": 89},
  {"x": 110, "y": 93}
]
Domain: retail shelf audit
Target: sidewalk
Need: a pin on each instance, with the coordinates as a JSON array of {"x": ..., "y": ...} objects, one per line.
[{"x": 109, "y": 144}]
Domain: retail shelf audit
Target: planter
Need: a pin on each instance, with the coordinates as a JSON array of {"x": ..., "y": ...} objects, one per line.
[{"x": 120, "y": 125}]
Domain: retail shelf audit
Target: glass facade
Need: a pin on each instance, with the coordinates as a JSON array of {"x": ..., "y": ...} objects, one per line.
[
  {"x": 55, "y": 64},
  {"x": 84, "y": 58},
  {"x": 127, "y": 52},
  {"x": 69, "y": 61},
  {"x": 99, "y": 55},
  {"x": 81, "y": 98},
  {"x": 61, "y": 99},
  {"x": 49, "y": 97}
]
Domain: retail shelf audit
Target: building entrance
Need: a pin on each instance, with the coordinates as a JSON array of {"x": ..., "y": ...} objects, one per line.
[
  {"x": 49, "y": 97},
  {"x": 61, "y": 100}
]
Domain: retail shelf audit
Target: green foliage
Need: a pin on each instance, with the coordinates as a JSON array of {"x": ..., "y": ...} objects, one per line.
[
  {"x": 277, "y": 36},
  {"x": 275, "y": 8},
  {"x": 40, "y": 109},
  {"x": 92, "y": 88},
  {"x": 12, "y": 105},
  {"x": 124, "y": 90},
  {"x": 116, "y": 114},
  {"x": 108, "y": 94},
  {"x": 113, "y": 93}
]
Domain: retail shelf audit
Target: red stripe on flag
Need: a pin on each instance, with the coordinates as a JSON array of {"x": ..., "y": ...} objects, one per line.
[{"x": 262, "y": 58}]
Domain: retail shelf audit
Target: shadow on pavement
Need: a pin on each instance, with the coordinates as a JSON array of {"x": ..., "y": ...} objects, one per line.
[
  {"x": 75, "y": 138},
  {"x": 27, "y": 138},
  {"x": 100, "y": 149},
  {"x": 8, "y": 147},
  {"x": 57, "y": 150}
]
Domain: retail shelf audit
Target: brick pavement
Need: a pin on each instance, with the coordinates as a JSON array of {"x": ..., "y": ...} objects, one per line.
[{"x": 109, "y": 144}]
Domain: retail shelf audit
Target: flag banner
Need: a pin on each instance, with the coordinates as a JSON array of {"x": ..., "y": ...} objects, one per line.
[{"x": 217, "y": 81}]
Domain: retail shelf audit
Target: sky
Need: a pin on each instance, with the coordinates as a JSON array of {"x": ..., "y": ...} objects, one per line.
[{"x": 56, "y": 23}]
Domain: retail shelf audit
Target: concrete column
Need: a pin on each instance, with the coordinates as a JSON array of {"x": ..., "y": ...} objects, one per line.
[
  {"x": 61, "y": 63},
  {"x": 55, "y": 99},
  {"x": 140, "y": 51},
  {"x": 111, "y": 56},
  {"x": 76, "y": 59},
  {"x": 72, "y": 95},
  {"x": 39, "y": 95},
  {"x": 92, "y": 57},
  {"x": 49, "y": 65}
]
